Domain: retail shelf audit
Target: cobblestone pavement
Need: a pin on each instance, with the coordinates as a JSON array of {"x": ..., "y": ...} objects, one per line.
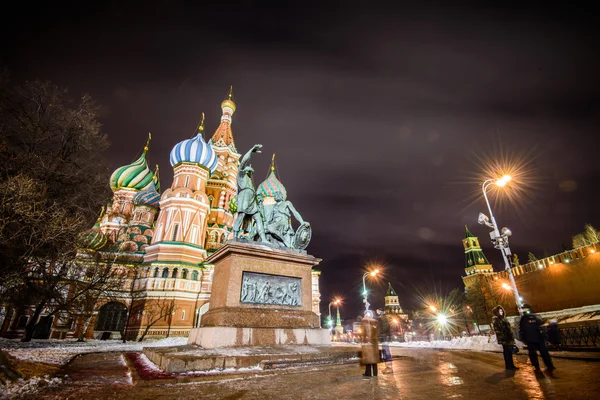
[{"x": 418, "y": 374}]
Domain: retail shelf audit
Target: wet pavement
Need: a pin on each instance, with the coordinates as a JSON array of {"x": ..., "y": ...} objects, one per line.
[{"x": 417, "y": 374}]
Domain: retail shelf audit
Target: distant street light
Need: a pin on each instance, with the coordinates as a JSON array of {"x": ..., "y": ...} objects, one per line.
[
  {"x": 330, "y": 321},
  {"x": 365, "y": 294},
  {"x": 500, "y": 238},
  {"x": 433, "y": 308}
]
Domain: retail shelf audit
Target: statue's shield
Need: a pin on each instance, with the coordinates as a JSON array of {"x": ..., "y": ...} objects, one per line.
[{"x": 302, "y": 236}]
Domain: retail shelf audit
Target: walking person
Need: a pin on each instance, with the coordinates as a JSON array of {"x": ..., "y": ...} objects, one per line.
[
  {"x": 383, "y": 325},
  {"x": 504, "y": 336},
  {"x": 369, "y": 346},
  {"x": 530, "y": 329}
]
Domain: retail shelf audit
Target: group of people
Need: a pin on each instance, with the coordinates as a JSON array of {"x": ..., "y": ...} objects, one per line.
[
  {"x": 374, "y": 331},
  {"x": 531, "y": 333}
]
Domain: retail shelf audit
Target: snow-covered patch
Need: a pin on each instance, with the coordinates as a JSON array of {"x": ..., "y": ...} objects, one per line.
[
  {"x": 30, "y": 386},
  {"x": 474, "y": 343},
  {"x": 59, "y": 352}
]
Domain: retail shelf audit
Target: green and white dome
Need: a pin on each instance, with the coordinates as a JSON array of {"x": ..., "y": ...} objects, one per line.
[{"x": 136, "y": 175}]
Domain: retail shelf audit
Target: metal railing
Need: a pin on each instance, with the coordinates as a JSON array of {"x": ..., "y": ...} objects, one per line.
[{"x": 580, "y": 337}]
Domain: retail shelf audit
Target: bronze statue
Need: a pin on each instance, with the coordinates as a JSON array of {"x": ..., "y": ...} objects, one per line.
[
  {"x": 279, "y": 223},
  {"x": 247, "y": 207}
]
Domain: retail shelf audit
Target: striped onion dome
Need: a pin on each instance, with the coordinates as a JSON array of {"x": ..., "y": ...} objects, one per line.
[
  {"x": 92, "y": 239},
  {"x": 272, "y": 184},
  {"x": 195, "y": 150},
  {"x": 149, "y": 197},
  {"x": 136, "y": 175}
]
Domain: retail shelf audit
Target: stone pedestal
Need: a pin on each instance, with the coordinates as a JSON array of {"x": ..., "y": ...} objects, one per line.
[{"x": 260, "y": 296}]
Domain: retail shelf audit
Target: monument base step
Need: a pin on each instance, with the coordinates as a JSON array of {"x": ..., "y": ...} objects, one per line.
[
  {"x": 189, "y": 358},
  {"x": 210, "y": 337}
]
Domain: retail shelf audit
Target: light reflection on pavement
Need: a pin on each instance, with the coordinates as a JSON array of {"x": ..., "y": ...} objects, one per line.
[{"x": 417, "y": 374}]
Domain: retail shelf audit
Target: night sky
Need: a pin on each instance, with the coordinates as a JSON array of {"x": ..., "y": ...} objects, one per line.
[{"x": 381, "y": 118}]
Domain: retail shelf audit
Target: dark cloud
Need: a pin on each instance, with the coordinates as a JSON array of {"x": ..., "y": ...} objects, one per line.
[{"x": 377, "y": 115}]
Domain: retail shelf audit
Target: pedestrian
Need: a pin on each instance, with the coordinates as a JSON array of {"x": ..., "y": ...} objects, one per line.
[
  {"x": 383, "y": 325},
  {"x": 369, "y": 345},
  {"x": 554, "y": 333},
  {"x": 504, "y": 336},
  {"x": 530, "y": 330}
]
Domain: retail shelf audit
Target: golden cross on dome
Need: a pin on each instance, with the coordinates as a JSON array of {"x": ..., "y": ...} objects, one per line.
[
  {"x": 147, "y": 142},
  {"x": 273, "y": 163}
]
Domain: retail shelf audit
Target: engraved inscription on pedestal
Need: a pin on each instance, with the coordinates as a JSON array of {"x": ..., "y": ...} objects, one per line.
[{"x": 271, "y": 289}]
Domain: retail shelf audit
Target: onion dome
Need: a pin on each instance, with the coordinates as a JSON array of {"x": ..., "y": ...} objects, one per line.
[
  {"x": 223, "y": 135},
  {"x": 136, "y": 175},
  {"x": 271, "y": 185},
  {"x": 149, "y": 197},
  {"x": 92, "y": 239},
  {"x": 196, "y": 151}
]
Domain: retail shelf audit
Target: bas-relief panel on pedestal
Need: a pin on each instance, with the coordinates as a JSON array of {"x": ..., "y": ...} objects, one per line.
[{"x": 271, "y": 289}]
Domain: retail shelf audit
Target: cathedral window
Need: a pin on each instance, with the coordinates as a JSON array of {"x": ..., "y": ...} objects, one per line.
[
  {"x": 187, "y": 181},
  {"x": 165, "y": 273},
  {"x": 175, "y": 229},
  {"x": 184, "y": 274},
  {"x": 156, "y": 272},
  {"x": 174, "y": 273},
  {"x": 194, "y": 275},
  {"x": 182, "y": 315}
]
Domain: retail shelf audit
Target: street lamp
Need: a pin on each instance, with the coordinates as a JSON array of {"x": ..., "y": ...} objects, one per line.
[
  {"x": 499, "y": 237},
  {"x": 330, "y": 321},
  {"x": 365, "y": 294}
]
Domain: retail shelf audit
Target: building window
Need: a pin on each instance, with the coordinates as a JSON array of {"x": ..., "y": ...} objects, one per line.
[
  {"x": 175, "y": 230},
  {"x": 182, "y": 315},
  {"x": 156, "y": 272},
  {"x": 195, "y": 275},
  {"x": 187, "y": 181},
  {"x": 165, "y": 273},
  {"x": 184, "y": 274},
  {"x": 174, "y": 273}
]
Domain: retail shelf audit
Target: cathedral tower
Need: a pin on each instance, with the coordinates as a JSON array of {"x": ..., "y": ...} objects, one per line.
[
  {"x": 126, "y": 182},
  {"x": 184, "y": 207},
  {"x": 221, "y": 186},
  {"x": 392, "y": 305}
]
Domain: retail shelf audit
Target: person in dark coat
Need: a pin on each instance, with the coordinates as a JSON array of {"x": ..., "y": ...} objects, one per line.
[
  {"x": 369, "y": 346},
  {"x": 553, "y": 333},
  {"x": 530, "y": 330},
  {"x": 504, "y": 336}
]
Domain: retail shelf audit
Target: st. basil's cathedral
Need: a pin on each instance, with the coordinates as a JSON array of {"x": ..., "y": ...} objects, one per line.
[{"x": 163, "y": 239}]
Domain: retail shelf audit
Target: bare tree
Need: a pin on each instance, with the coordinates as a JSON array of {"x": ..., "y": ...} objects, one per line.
[
  {"x": 51, "y": 171},
  {"x": 588, "y": 237},
  {"x": 155, "y": 310},
  {"x": 99, "y": 279}
]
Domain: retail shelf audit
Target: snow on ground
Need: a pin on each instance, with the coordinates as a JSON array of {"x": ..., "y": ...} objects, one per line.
[
  {"x": 59, "y": 352},
  {"x": 31, "y": 386},
  {"x": 474, "y": 343}
]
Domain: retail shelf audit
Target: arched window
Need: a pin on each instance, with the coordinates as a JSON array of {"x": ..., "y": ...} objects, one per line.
[
  {"x": 210, "y": 200},
  {"x": 156, "y": 272},
  {"x": 165, "y": 273},
  {"x": 223, "y": 238},
  {"x": 111, "y": 317},
  {"x": 184, "y": 274},
  {"x": 194, "y": 275},
  {"x": 174, "y": 273}
]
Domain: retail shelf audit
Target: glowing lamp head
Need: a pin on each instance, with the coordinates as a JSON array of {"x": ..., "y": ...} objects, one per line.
[
  {"x": 503, "y": 181},
  {"x": 506, "y": 286},
  {"x": 433, "y": 308},
  {"x": 442, "y": 319},
  {"x": 373, "y": 273}
]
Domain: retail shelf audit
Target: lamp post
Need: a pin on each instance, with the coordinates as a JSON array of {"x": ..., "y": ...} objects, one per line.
[
  {"x": 500, "y": 238},
  {"x": 330, "y": 321},
  {"x": 365, "y": 294}
]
